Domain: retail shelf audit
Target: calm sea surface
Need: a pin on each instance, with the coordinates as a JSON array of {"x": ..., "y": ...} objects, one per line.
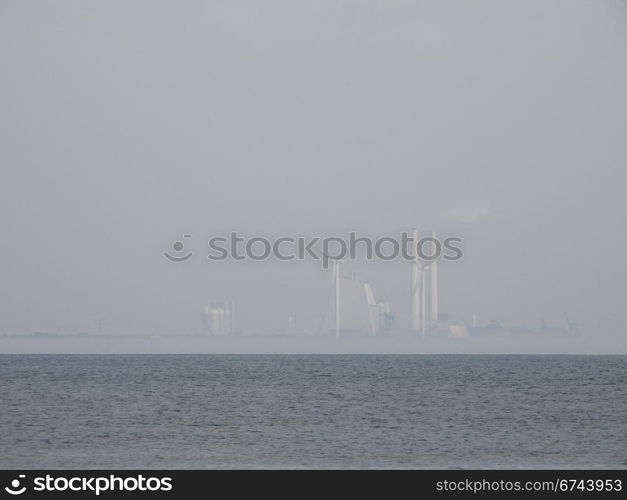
[{"x": 199, "y": 411}]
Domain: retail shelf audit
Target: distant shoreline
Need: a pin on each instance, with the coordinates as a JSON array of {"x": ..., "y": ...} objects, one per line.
[{"x": 300, "y": 345}]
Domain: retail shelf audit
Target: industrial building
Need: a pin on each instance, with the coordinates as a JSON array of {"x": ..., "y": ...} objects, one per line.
[
  {"x": 217, "y": 318},
  {"x": 354, "y": 309}
]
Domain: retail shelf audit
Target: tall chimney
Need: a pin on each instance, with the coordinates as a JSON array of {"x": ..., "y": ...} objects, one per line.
[
  {"x": 423, "y": 304},
  {"x": 336, "y": 270},
  {"x": 434, "y": 287},
  {"x": 416, "y": 286}
]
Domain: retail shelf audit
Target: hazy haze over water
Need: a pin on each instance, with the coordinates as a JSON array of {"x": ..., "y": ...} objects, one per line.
[{"x": 125, "y": 125}]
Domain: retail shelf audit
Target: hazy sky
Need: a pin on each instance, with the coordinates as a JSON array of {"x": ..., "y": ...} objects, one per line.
[{"x": 124, "y": 125}]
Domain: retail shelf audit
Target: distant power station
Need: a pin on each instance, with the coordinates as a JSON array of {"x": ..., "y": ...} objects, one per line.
[{"x": 354, "y": 310}]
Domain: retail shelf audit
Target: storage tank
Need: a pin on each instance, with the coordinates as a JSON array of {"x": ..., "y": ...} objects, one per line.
[{"x": 217, "y": 318}]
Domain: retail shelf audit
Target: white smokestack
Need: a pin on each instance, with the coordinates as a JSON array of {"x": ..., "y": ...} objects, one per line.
[
  {"x": 337, "y": 297},
  {"x": 415, "y": 291},
  {"x": 434, "y": 286},
  {"x": 423, "y": 302}
]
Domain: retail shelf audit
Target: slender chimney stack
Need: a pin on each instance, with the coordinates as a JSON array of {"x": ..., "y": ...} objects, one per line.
[
  {"x": 337, "y": 297},
  {"x": 416, "y": 286},
  {"x": 434, "y": 286},
  {"x": 423, "y": 302}
]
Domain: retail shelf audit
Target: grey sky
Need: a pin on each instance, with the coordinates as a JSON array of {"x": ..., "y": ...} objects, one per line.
[{"x": 126, "y": 124}]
